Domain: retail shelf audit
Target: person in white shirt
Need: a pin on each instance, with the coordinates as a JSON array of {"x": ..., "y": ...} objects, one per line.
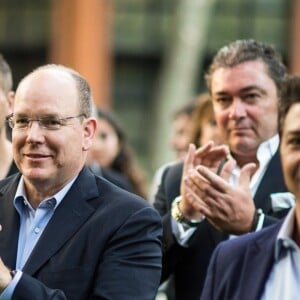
[{"x": 209, "y": 203}]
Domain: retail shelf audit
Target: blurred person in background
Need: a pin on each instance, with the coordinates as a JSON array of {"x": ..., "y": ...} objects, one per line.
[
  {"x": 7, "y": 165},
  {"x": 203, "y": 129},
  {"x": 181, "y": 130},
  {"x": 181, "y": 134},
  {"x": 203, "y": 126},
  {"x": 112, "y": 157}
]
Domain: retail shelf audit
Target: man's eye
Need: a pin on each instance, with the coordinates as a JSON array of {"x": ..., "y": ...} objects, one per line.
[
  {"x": 294, "y": 141},
  {"x": 51, "y": 122},
  {"x": 22, "y": 121},
  {"x": 222, "y": 101},
  {"x": 251, "y": 96}
]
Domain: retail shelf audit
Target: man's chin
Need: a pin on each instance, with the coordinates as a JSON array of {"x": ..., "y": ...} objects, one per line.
[
  {"x": 35, "y": 174},
  {"x": 243, "y": 146}
]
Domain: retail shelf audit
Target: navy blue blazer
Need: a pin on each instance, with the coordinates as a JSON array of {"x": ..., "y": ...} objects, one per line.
[
  {"x": 101, "y": 243},
  {"x": 239, "y": 268},
  {"x": 189, "y": 264}
]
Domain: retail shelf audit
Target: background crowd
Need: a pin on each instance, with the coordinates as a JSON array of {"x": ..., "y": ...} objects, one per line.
[{"x": 75, "y": 198}]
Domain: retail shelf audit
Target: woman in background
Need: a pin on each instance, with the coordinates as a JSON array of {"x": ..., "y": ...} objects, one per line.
[
  {"x": 203, "y": 129},
  {"x": 111, "y": 152},
  {"x": 204, "y": 126}
]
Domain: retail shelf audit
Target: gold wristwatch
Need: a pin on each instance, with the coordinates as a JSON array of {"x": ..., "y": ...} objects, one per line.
[{"x": 179, "y": 217}]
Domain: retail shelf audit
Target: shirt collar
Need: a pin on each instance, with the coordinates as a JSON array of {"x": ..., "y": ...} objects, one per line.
[
  {"x": 267, "y": 149},
  {"x": 21, "y": 194},
  {"x": 284, "y": 238},
  {"x": 264, "y": 153}
]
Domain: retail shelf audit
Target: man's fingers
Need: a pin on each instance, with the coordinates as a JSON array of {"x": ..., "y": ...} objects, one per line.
[
  {"x": 189, "y": 159},
  {"x": 227, "y": 168},
  {"x": 205, "y": 148},
  {"x": 246, "y": 173},
  {"x": 215, "y": 180},
  {"x": 194, "y": 200},
  {"x": 211, "y": 157},
  {"x": 187, "y": 165}
]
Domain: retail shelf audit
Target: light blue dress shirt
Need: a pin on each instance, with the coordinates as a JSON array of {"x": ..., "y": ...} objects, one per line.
[
  {"x": 32, "y": 224},
  {"x": 284, "y": 279}
]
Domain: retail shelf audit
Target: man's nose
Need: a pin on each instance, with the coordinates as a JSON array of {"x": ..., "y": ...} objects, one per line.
[
  {"x": 32, "y": 122},
  {"x": 237, "y": 109},
  {"x": 34, "y": 131}
]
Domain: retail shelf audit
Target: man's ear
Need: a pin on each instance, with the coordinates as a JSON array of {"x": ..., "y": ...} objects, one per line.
[
  {"x": 90, "y": 127},
  {"x": 10, "y": 100}
]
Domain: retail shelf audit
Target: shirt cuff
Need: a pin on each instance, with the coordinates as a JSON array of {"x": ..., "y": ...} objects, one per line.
[
  {"x": 181, "y": 232},
  {"x": 259, "y": 223}
]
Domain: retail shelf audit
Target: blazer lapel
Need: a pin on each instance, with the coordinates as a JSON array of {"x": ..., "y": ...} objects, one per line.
[
  {"x": 69, "y": 216},
  {"x": 272, "y": 181}
]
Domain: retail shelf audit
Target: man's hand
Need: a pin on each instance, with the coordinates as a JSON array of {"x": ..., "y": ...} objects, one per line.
[
  {"x": 209, "y": 156},
  {"x": 5, "y": 277},
  {"x": 229, "y": 209}
]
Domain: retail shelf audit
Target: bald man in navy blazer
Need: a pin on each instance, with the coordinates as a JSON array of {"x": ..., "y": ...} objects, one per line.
[
  {"x": 65, "y": 232},
  {"x": 101, "y": 240}
]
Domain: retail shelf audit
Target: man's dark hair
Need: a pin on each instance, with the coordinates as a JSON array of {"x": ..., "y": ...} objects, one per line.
[
  {"x": 241, "y": 51},
  {"x": 290, "y": 95}
]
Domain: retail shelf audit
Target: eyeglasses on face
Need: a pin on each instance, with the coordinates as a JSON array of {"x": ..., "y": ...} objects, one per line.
[{"x": 48, "y": 122}]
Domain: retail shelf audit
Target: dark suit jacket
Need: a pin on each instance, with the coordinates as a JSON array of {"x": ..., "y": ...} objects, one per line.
[
  {"x": 101, "y": 243},
  {"x": 189, "y": 264},
  {"x": 239, "y": 268},
  {"x": 113, "y": 176}
]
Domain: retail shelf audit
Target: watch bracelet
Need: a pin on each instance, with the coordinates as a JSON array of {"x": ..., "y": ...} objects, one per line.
[{"x": 179, "y": 217}]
